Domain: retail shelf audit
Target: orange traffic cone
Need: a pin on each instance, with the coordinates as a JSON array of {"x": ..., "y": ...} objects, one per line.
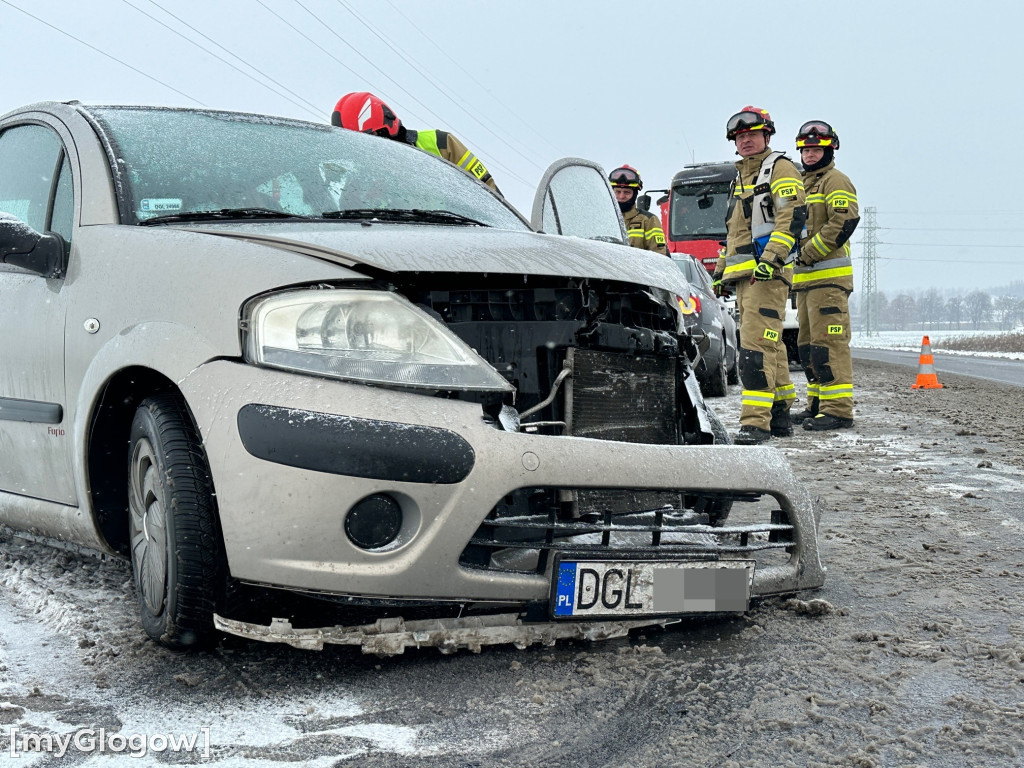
[{"x": 926, "y": 378}]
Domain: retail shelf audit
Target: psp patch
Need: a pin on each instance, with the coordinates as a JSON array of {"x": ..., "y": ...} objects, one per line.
[
  {"x": 835, "y": 330},
  {"x": 771, "y": 335},
  {"x": 477, "y": 169},
  {"x": 840, "y": 203}
]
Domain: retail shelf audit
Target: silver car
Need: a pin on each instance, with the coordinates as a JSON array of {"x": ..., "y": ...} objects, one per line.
[{"x": 279, "y": 364}]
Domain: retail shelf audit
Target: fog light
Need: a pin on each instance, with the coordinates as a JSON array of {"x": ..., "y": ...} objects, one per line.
[{"x": 374, "y": 522}]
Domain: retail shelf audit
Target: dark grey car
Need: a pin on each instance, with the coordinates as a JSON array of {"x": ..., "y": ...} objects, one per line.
[
  {"x": 717, "y": 366},
  {"x": 262, "y": 357}
]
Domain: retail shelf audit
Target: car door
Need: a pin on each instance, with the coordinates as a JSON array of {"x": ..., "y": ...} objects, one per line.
[
  {"x": 35, "y": 437},
  {"x": 575, "y": 198}
]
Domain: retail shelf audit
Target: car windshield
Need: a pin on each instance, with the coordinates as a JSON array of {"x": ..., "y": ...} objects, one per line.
[
  {"x": 176, "y": 163},
  {"x": 688, "y": 221},
  {"x": 695, "y": 273}
]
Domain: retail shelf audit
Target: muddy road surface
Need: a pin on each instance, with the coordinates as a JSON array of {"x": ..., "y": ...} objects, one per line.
[{"x": 911, "y": 655}]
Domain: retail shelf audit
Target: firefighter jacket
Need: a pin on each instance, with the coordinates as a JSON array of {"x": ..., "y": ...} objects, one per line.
[
  {"x": 644, "y": 231},
  {"x": 824, "y": 257},
  {"x": 444, "y": 145},
  {"x": 768, "y": 195}
]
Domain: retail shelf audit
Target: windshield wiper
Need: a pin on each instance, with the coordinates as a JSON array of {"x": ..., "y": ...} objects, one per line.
[
  {"x": 223, "y": 214},
  {"x": 403, "y": 214}
]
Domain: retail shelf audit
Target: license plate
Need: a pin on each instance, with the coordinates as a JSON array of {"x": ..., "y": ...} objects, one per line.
[{"x": 609, "y": 588}]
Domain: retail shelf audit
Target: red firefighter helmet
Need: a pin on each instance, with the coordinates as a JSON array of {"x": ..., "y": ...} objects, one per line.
[
  {"x": 626, "y": 176},
  {"x": 364, "y": 112},
  {"x": 749, "y": 119}
]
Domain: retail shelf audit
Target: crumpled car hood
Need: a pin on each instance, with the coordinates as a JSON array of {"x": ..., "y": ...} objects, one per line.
[{"x": 428, "y": 248}]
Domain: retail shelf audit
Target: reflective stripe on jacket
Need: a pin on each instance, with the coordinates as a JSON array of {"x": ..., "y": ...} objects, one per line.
[
  {"x": 644, "y": 231},
  {"x": 832, "y": 217},
  {"x": 776, "y": 205},
  {"x": 447, "y": 146}
]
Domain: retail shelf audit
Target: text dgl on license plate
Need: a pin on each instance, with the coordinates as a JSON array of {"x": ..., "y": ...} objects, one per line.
[{"x": 602, "y": 588}]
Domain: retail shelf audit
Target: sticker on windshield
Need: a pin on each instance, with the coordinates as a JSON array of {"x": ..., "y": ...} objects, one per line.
[{"x": 160, "y": 204}]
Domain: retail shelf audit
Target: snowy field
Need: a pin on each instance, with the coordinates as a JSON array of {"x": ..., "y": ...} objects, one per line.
[{"x": 910, "y": 341}]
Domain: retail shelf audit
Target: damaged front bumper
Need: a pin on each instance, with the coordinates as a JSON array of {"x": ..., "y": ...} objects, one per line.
[
  {"x": 283, "y": 505},
  {"x": 390, "y": 637}
]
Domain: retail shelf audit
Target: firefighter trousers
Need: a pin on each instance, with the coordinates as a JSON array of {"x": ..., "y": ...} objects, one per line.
[
  {"x": 764, "y": 365},
  {"x": 824, "y": 345}
]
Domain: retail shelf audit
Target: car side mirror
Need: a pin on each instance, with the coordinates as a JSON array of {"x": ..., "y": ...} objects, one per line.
[
  {"x": 644, "y": 203},
  {"x": 22, "y": 246}
]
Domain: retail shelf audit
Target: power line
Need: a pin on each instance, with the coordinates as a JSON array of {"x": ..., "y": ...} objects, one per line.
[
  {"x": 298, "y": 103},
  {"x": 901, "y": 259},
  {"x": 506, "y": 170},
  {"x": 483, "y": 87},
  {"x": 424, "y": 73},
  {"x": 953, "y": 212},
  {"x": 951, "y": 229},
  {"x": 104, "y": 53},
  {"x": 956, "y": 245}
]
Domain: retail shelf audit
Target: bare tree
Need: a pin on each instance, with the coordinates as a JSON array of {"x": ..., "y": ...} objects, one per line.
[
  {"x": 881, "y": 307},
  {"x": 930, "y": 306},
  {"x": 978, "y": 306},
  {"x": 902, "y": 311},
  {"x": 954, "y": 310},
  {"x": 1005, "y": 309}
]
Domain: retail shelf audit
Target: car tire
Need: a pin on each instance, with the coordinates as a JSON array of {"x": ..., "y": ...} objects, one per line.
[
  {"x": 177, "y": 551},
  {"x": 716, "y": 509},
  {"x": 716, "y": 384}
]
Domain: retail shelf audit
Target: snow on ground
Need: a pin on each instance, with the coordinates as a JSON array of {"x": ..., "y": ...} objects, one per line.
[
  {"x": 912, "y": 656},
  {"x": 910, "y": 341}
]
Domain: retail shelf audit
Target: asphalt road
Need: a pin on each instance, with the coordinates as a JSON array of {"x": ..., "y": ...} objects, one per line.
[
  {"x": 991, "y": 368},
  {"x": 910, "y": 655}
]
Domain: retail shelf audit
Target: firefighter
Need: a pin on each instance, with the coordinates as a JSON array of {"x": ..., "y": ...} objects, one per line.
[
  {"x": 823, "y": 282},
  {"x": 644, "y": 229},
  {"x": 765, "y": 217},
  {"x": 366, "y": 113}
]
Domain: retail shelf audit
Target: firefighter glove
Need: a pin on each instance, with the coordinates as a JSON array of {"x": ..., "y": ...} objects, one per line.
[
  {"x": 764, "y": 271},
  {"x": 716, "y": 284}
]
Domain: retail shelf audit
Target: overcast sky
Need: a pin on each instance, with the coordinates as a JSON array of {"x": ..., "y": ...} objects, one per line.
[{"x": 926, "y": 96}]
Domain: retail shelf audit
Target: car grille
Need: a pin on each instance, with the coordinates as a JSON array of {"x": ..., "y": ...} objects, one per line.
[{"x": 525, "y": 544}]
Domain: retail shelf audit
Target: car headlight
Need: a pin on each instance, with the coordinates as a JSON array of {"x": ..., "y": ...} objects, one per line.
[{"x": 361, "y": 335}]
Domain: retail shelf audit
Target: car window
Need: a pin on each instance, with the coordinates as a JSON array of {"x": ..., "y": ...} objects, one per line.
[
  {"x": 577, "y": 203},
  {"x": 28, "y": 161},
  {"x": 182, "y": 161},
  {"x": 63, "y": 203},
  {"x": 695, "y": 273},
  {"x": 689, "y": 221}
]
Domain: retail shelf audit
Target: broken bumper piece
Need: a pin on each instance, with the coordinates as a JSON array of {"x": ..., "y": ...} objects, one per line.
[{"x": 390, "y": 637}]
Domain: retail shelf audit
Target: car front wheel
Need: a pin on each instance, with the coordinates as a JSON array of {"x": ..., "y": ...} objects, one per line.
[{"x": 177, "y": 552}]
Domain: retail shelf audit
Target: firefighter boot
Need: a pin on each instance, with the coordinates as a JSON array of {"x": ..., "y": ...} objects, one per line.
[
  {"x": 826, "y": 421},
  {"x": 780, "y": 425},
  {"x": 749, "y": 435},
  {"x": 807, "y": 413}
]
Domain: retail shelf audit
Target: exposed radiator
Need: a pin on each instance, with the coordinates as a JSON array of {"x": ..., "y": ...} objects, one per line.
[{"x": 615, "y": 396}]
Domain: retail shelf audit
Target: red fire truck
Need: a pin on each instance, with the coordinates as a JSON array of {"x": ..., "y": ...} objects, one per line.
[{"x": 693, "y": 210}]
